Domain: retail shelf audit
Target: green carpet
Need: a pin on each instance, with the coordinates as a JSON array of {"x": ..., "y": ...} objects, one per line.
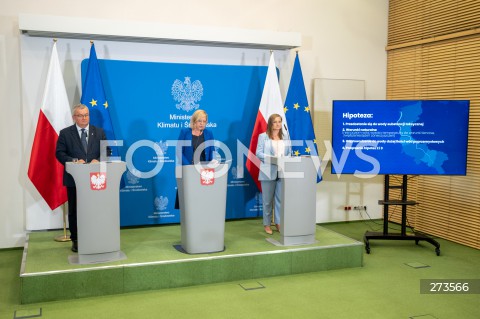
[
  {"x": 154, "y": 244},
  {"x": 385, "y": 287},
  {"x": 153, "y": 263}
]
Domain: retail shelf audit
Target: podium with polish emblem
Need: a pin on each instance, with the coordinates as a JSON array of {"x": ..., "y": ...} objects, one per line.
[
  {"x": 202, "y": 194},
  {"x": 298, "y": 210},
  {"x": 98, "y": 211}
]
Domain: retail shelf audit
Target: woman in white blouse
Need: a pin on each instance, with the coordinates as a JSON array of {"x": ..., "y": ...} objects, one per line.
[{"x": 271, "y": 144}]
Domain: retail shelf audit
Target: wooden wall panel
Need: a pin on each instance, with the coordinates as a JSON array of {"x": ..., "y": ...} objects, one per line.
[
  {"x": 413, "y": 20},
  {"x": 446, "y": 65}
]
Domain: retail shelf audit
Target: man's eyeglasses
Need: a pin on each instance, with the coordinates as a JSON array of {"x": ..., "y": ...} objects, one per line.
[{"x": 82, "y": 116}]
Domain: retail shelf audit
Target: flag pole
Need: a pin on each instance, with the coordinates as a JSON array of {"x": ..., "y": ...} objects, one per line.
[
  {"x": 64, "y": 237},
  {"x": 272, "y": 222}
]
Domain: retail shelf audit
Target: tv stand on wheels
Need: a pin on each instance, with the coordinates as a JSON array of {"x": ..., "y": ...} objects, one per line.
[{"x": 386, "y": 202}]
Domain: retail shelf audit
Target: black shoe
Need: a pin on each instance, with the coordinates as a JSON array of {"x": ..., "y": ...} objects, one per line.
[{"x": 74, "y": 246}]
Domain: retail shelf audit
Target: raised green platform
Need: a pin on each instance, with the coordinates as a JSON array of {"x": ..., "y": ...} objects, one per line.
[{"x": 153, "y": 262}]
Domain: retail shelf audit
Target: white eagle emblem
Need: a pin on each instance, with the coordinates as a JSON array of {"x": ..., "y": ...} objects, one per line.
[
  {"x": 160, "y": 203},
  {"x": 132, "y": 176},
  {"x": 207, "y": 176},
  {"x": 98, "y": 181},
  {"x": 163, "y": 146},
  {"x": 187, "y": 94},
  {"x": 234, "y": 172}
]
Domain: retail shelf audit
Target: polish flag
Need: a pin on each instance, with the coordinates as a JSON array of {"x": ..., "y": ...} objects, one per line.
[
  {"x": 270, "y": 103},
  {"x": 45, "y": 172}
]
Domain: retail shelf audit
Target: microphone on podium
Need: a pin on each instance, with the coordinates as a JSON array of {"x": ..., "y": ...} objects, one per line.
[
  {"x": 289, "y": 140},
  {"x": 286, "y": 130}
]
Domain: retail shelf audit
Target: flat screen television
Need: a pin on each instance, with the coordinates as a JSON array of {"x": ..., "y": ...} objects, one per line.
[{"x": 414, "y": 137}]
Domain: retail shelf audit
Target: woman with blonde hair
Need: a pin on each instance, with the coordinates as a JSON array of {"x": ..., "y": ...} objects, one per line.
[{"x": 197, "y": 134}]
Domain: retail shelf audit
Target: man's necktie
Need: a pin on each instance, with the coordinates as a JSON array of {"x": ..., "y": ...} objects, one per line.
[{"x": 84, "y": 139}]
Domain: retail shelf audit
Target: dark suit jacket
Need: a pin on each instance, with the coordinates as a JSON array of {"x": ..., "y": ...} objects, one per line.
[
  {"x": 69, "y": 146},
  {"x": 187, "y": 151}
]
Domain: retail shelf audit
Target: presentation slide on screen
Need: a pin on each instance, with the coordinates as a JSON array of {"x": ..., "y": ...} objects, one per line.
[{"x": 424, "y": 137}]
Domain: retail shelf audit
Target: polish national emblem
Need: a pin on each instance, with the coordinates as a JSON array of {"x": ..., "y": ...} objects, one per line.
[
  {"x": 163, "y": 147},
  {"x": 207, "y": 176},
  {"x": 132, "y": 176},
  {"x": 234, "y": 173},
  {"x": 187, "y": 94},
  {"x": 98, "y": 181},
  {"x": 160, "y": 203}
]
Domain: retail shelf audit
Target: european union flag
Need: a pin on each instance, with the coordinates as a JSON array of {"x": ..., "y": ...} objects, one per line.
[
  {"x": 93, "y": 96},
  {"x": 297, "y": 113}
]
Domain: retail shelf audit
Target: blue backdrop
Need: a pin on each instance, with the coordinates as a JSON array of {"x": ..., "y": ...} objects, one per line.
[{"x": 151, "y": 102}]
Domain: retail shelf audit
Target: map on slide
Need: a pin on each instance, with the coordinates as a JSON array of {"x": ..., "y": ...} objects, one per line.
[{"x": 420, "y": 152}]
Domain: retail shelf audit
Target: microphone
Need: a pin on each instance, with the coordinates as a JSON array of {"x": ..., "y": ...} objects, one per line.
[{"x": 289, "y": 139}]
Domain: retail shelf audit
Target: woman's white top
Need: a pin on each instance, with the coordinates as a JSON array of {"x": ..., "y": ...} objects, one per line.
[{"x": 278, "y": 147}]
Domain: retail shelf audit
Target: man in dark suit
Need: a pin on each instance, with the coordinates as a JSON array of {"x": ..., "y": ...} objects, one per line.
[{"x": 79, "y": 142}]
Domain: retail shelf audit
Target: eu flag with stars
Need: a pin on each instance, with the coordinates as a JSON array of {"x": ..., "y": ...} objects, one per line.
[
  {"x": 93, "y": 96},
  {"x": 297, "y": 113}
]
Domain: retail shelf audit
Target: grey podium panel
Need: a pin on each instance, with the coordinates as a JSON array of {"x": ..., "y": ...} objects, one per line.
[
  {"x": 98, "y": 211},
  {"x": 202, "y": 208},
  {"x": 298, "y": 210}
]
